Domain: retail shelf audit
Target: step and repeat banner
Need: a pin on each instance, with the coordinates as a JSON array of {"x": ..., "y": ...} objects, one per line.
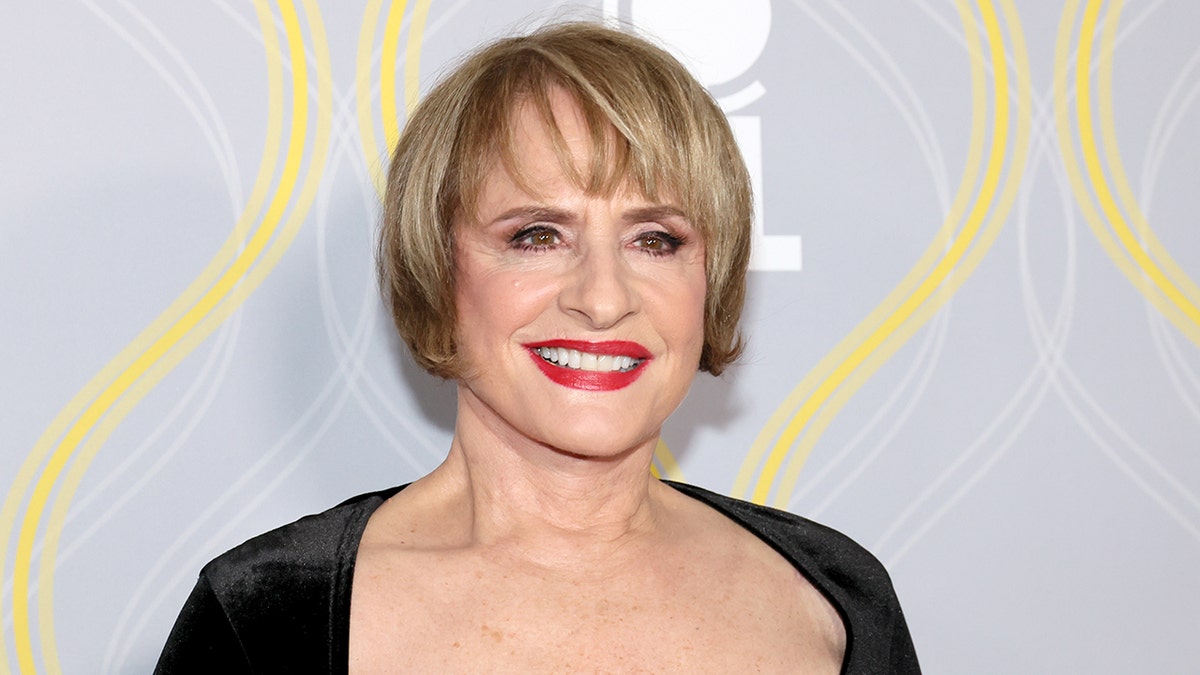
[{"x": 974, "y": 317}]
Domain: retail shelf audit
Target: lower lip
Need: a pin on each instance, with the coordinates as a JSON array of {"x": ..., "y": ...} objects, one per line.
[{"x": 588, "y": 380}]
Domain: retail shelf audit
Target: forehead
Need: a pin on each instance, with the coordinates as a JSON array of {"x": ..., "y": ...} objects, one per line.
[{"x": 550, "y": 144}]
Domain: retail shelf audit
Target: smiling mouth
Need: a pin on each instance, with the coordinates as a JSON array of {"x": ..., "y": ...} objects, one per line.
[{"x": 575, "y": 359}]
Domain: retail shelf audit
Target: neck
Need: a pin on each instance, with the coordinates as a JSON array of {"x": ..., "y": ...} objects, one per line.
[{"x": 554, "y": 507}]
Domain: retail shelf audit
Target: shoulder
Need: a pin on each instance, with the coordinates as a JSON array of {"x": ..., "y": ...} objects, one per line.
[
  {"x": 816, "y": 548},
  {"x": 290, "y": 554},
  {"x": 289, "y": 587},
  {"x": 846, "y": 573}
]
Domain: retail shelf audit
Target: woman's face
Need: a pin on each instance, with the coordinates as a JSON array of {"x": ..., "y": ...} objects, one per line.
[{"x": 580, "y": 318}]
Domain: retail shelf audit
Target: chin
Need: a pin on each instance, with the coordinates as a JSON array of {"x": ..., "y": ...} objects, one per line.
[{"x": 600, "y": 437}]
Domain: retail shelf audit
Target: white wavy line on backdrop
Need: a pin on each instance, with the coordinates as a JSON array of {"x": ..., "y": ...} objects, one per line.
[
  {"x": 954, "y": 31},
  {"x": 1175, "y": 363},
  {"x": 346, "y": 116},
  {"x": 379, "y": 164},
  {"x": 1090, "y": 404},
  {"x": 222, "y": 348},
  {"x": 199, "y": 554},
  {"x": 921, "y": 369},
  {"x": 1136, "y": 449},
  {"x": 369, "y": 306},
  {"x": 911, "y": 108},
  {"x": 229, "y": 164},
  {"x": 1167, "y": 121},
  {"x": 1131, "y": 447},
  {"x": 215, "y": 133},
  {"x": 204, "y": 113},
  {"x": 226, "y": 159},
  {"x": 162, "y": 559},
  {"x": 432, "y": 29},
  {"x": 120, "y": 653},
  {"x": 213, "y": 373},
  {"x": 914, "y": 115},
  {"x": 1050, "y": 353},
  {"x": 1027, "y": 397},
  {"x": 1165, "y": 339}
]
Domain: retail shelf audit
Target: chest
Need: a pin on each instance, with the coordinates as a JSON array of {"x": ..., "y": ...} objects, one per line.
[{"x": 660, "y": 619}]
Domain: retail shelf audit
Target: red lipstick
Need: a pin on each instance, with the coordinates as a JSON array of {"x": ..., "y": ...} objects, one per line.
[{"x": 592, "y": 380}]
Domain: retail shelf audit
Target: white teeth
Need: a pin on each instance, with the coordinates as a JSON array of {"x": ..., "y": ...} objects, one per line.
[{"x": 573, "y": 358}]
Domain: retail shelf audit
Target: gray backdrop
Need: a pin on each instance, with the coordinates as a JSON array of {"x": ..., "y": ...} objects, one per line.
[{"x": 974, "y": 319}]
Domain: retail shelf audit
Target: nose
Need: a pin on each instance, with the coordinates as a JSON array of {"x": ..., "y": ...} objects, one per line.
[{"x": 600, "y": 289}]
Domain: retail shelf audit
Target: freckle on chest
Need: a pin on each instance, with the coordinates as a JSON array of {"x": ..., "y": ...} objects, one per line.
[{"x": 495, "y": 635}]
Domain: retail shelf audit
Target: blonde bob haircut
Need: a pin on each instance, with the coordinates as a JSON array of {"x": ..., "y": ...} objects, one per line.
[{"x": 652, "y": 126}]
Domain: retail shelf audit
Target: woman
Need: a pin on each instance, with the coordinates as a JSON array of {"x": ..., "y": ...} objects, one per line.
[{"x": 566, "y": 235}]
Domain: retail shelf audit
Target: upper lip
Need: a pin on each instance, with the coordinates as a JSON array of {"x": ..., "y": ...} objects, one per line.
[{"x": 605, "y": 348}]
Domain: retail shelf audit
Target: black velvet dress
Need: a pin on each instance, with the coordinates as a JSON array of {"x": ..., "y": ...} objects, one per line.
[{"x": 280, "y": 603}]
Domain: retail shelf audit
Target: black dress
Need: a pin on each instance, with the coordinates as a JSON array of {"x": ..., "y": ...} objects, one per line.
[{"x": 280, "y": 603}]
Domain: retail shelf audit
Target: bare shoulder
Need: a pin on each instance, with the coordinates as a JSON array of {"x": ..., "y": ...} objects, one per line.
[{"x": 761, "y": 583}]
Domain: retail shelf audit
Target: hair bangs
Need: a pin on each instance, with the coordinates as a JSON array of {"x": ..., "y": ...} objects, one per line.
[
  {"x": 640, "y": 151},
  {"x": 652, "y": 128}
]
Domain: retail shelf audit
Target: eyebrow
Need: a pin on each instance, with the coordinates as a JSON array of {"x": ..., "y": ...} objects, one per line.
[
  {"x": 662, "y": 212},
  {"x": 546, "y": 213},
  {"x": 553, "y": 215}
]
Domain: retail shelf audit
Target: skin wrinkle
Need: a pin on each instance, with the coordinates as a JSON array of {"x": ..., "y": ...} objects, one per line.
[
  {"x": 545, "y": 505},
  {"x": 646, "y": 123}
]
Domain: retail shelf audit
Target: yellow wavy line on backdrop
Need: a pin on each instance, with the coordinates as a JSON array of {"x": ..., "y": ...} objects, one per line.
[
  {"x": 412, "y": 60},
  {"x": 140, "y": 344},
  {"x": 954, "y": 270},
  {"x": 907, "y": 287},
  {"x": 1166, "y": 274},
  {"x": 239, "y": 293},
  {"x": 387, "y": 82},
  {"x": 362, "y": 94},
  {"x": 387, "y": 66},
  {"x": 366, "y": 124},
  {"x": 960, "y": 273},
  {"x": 1137, "y": 270},
  {"x": 390, "y": 114},
  {"x": 941, "y": 242},
  {"x": 884, "y": 321},
  {"x": 26, "y": 474},
  {"x": 128, "y": 380},
  {"x": 1117, "y": 167},
  {"x": 145, "y": 363}
]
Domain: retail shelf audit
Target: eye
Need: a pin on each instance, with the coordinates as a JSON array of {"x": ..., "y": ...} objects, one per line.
[
  {"x": 536, "y": 238},
  {"x": 658, "y": 243}
]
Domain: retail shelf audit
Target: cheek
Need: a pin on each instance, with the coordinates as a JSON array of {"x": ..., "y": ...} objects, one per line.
[
  {"x": 679, "y": 311},
  {"x": 495, "y": 304},
  {"x": 697, "y": 315}
]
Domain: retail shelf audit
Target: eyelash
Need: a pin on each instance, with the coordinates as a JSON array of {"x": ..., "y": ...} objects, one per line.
[
  {"x": 519, "y": 240},
  {"x": 670, "y": 243}
]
